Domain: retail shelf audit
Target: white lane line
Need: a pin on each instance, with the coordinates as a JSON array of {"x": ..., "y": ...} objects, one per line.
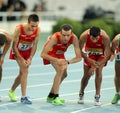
[
  {"x": 47, "y": 84},
  {"x": 88, "y": 108},
  {"x": 43, "y": 73}
]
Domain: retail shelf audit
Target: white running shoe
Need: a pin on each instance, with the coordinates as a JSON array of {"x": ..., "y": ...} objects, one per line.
[
  {"x": 118, "y": 102},
  {"x": 97, "y": 102},
  {"x": 81, "y": 98}
]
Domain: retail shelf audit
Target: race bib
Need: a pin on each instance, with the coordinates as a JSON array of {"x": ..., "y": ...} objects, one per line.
[
  {"x": 24, "y": 46},
  {"x": 95, "y": 51}
]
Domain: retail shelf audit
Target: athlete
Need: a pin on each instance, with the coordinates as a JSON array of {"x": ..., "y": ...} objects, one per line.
[
  {"x": 53, "y": 53},
  {"x": 5, "y": 42},
  {"x": 115, "y": 53},
  {"x": 24, "y": 46},
  {"x": 95, "y": 46}
]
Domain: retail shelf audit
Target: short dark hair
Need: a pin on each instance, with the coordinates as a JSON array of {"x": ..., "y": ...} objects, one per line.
[
  {"x": 94, "y": 31},
  {"x": 33, "y": 17},
  {"x": 2, "y": 39},
  {"x": 66, "y": 27}
]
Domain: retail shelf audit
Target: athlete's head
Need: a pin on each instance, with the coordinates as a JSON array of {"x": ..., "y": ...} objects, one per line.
[
  {"x": 33, "y": 21},
  {"x": 94, "y": 31},
  {"x": 66, "y": 27},
  {"x": 2, "y": 39},
  {"x": 66, "y": 32},
  {"x": 33, "y": 17}
]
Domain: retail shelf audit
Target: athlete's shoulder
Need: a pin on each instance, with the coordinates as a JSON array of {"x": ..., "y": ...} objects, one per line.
[
  {"x": 116, "y": 38},
  {"x": 57, "y": 33}
]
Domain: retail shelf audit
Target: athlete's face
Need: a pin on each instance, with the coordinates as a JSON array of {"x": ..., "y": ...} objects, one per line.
[
  {"x": 94, "y": 39},
  {"x": 33, "y": 25},
  {"x": 65, "y": 36}
]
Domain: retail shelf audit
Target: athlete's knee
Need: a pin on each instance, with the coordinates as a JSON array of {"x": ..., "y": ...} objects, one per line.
[
  {"x": 61, "y": 70},
  {"x": 23, "y": 74}
]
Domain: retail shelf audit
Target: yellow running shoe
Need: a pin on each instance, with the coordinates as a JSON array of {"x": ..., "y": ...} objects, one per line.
[
  {"x": 51, "y": 99},
  {"x": 12, "y": 96},
  {"x": 115, "y": 99},
  {"x": 57, "y": 101}
]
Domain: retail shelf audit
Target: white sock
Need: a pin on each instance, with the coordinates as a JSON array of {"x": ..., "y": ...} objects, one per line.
[
  {"x": 97, "y": 95},
  {"x": 23, "y": 96},
  {"x": 10, "y": 90}
]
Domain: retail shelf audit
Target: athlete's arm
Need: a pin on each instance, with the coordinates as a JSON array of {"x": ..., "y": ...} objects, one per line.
[
  {"x": 82, "y": 41},
  {"x": 78, "y": 56},
  {"x": 7, "y": 43},
  {"x": 35, "y": 43},
  {"x": 113, "y": 47},
  {"x": 15, "y": 42},
  {"x": 107, "y": 52},
  {"x": 46, "y": 49}
]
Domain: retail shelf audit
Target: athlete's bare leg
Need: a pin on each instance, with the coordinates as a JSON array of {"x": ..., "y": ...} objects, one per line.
[
  {"x": 117, "y": 77},
  {"x": 59, "y": 77},
  {"x": 85, "y": 79}
]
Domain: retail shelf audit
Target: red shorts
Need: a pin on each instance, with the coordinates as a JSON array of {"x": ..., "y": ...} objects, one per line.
[
  {"x": 24, "y": 54},
  {"x": 59, "y": 56},
  {"x": 94, "y": 57}
]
